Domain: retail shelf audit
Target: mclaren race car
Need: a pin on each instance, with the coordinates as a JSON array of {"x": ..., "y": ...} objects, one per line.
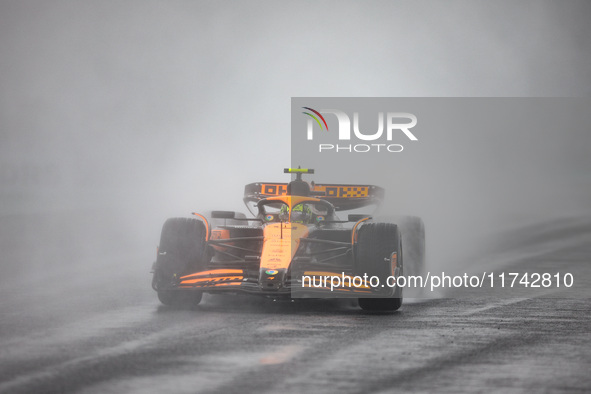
[{"x": 295, "y": 246}]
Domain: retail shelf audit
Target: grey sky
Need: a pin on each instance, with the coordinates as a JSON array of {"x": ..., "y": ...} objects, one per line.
[{"x": 146, "y": 105}]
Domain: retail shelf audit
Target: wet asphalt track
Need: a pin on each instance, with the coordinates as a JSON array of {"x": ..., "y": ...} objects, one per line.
[{"x": 81, "y": 331}]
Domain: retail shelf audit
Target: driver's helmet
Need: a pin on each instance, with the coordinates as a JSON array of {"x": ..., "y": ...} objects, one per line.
[
  {"x": 284, "y": 213},
  {"x": 301, "y": 213}
]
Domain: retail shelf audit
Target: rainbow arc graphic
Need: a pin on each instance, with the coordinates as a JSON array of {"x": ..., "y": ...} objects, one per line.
[{"x": 315, "y": 118}]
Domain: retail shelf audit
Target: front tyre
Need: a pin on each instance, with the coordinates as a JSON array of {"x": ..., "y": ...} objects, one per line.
[
  {"x": 379, "y": 253},
  {"x": 180, "y": 298},
  {"x": 182, "y": 250}
]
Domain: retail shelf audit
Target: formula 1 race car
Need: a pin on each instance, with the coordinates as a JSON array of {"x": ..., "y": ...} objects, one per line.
[{"x": 295, "y": 246}]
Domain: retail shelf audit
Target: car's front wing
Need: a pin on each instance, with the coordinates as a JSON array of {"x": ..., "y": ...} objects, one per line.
[{"x": 309, "y": 283}]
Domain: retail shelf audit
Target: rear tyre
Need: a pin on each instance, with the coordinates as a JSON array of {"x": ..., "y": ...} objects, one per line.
[
  {"x": 376, "y": 244},
  {"x": 414, "y": 245},
  {"x": 182, "y": 251}
]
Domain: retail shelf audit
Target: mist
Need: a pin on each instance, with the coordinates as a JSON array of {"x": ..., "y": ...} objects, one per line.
[{"x": 115, "y": 116}]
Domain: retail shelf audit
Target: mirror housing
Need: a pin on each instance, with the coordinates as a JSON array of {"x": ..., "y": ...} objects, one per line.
[
  {"x": 357, "y": 217},
  {"x": 223, "y": 214}
]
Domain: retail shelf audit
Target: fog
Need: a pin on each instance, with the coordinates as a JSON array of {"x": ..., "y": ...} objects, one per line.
[
  {"x": 117, "y": 115},
  {"x": 480, "y": 171}
]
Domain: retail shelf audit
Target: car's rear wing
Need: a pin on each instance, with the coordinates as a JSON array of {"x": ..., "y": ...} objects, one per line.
[{"x": 343, "y": 197}]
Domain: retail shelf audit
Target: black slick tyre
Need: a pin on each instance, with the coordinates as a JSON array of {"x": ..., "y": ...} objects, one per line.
[
  {"x": 376, "y": 244},
  {"x": 182, "y": 250}
]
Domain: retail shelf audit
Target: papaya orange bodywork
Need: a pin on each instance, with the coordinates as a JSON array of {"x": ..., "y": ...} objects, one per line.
[
  {"x": 280, "y": 244},
  {"x": 212, "y": 273},
  {"x": 216, "y": 279}
]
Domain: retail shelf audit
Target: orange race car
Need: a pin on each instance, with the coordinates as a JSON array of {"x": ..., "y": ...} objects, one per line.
[{"x": 295, "y": 246}]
